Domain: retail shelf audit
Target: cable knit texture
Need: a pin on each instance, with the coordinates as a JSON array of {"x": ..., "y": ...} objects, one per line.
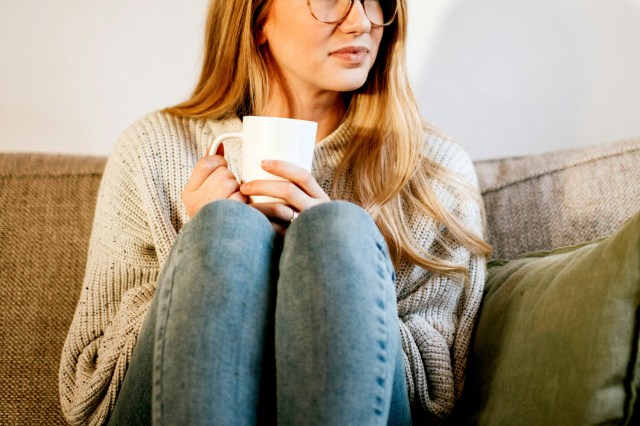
[{"x": 139, "y": 214}]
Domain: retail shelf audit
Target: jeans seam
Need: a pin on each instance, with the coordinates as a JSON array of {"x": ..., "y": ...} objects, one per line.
[
  {"x": 158, "y": 353},
  {"x": 382, "y": 379},
  {"x": 383, "y": 352}
]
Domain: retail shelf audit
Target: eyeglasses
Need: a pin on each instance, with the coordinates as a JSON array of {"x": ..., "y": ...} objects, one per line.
[{"x": 380, "y": 12}]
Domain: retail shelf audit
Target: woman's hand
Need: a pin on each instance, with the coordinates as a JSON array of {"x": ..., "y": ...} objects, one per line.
[
  {"x": 210, "y": 180},
  {"x": 300, "y": 191}
]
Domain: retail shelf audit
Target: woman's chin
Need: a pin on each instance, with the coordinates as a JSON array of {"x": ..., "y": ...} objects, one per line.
[{"x": 351, "y": 84}]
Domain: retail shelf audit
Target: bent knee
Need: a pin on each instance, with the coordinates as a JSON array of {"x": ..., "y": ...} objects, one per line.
[{"x": 329, "y": 224}]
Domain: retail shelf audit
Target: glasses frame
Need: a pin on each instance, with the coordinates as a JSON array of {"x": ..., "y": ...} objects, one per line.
[{"x": 395, "y": 14}]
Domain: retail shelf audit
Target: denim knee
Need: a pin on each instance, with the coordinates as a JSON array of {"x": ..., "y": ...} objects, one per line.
[
  {"x": 336, "y": 225},
  {"x": 337, "y": 218},
  {"x": 337, "y": 236},
  {"x": 219, "y": 213},
  {"x": 221, "y": 240},
  {"x": 224, "y": 222}
]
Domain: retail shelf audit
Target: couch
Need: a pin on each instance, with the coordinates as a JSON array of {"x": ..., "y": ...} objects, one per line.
[{"x": 533, "y": 203}]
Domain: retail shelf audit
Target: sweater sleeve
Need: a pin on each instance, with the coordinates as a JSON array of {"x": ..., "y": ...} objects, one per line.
[
  {"x": 119, "y": 282},
  {"x": 437, "y": 312}
]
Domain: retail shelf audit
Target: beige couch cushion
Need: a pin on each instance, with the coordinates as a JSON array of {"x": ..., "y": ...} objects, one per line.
[
  {"x": 558, "y": 199},
  {"x": 46, "y": 205}
]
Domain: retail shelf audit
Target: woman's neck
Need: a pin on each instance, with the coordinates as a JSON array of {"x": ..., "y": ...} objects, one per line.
[{"x": 327, "y": 109}]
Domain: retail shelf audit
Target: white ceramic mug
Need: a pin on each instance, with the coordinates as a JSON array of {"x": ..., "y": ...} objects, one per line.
[{"x": 271, "y": 138}]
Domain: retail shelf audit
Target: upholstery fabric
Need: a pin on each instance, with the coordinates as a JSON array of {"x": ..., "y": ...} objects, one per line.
[
  {"x": 557, "y": 337},
  {"x": 46, "y": 207},
  {"x": 540, "y": 202}
]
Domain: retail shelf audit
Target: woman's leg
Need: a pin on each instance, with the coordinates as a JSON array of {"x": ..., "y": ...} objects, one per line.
[
  {"x": 133, "y": 405},
  {"x": 338, "y": 352},
  {"x": 213, "y": 319}
]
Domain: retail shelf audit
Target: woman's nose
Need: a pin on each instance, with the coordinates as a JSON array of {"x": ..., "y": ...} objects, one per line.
[{"x": 356, "y": 20}]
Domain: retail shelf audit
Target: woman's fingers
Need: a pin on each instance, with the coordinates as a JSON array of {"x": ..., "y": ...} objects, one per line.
[
  {"x": 300, "y": 190},
  {"x": 275, "y": 211},
  {"x": 279, "y": 215},
  {"x": 287, "y": 191},
  {"x": 301, "y": 177},
  {"x": 204, "y": 168},
  {"x": 221, "y": 182},
  {"x": 210, "y": 181},
  {"x": 238, "y": 196}
]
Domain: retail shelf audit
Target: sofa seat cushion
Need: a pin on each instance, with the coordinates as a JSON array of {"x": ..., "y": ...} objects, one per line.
[{"x": 557, "y": 336}]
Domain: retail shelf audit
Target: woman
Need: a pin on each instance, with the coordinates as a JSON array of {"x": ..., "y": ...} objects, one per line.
[{"x": 249, "y": 314}]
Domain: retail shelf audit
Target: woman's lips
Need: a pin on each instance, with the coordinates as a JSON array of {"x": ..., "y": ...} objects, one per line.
[{"x": 353, "y": 54}]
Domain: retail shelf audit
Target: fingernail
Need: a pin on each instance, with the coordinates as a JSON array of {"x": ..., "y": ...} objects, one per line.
[{"x": 267, "y": 163}]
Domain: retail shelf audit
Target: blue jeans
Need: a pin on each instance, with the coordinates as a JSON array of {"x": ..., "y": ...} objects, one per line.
[{"x": 246, "y": 327}]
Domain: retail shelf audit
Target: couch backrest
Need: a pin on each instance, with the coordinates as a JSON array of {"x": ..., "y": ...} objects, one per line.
[
  {"x": 551, "y": 200},
  {"x": 46, "y": 211}
]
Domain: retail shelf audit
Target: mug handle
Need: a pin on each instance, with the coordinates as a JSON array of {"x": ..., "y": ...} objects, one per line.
[{"x": 213, "y": 148}]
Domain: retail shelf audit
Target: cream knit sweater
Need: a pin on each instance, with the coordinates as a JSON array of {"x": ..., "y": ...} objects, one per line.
[{"x": 139, "y": 213}]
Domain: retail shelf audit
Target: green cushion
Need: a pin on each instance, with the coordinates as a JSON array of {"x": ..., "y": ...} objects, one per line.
[{"x": 557, "y": 336}]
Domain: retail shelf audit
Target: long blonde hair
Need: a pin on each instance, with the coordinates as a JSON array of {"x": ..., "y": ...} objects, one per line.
[{"x": 385, "y": 155}]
